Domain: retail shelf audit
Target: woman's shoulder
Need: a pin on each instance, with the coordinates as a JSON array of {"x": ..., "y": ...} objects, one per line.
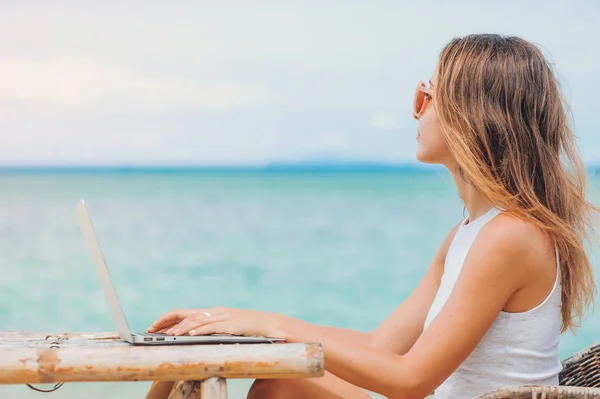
[
  {"x": 518, "y": 243},
  {"x": 507, "y": 238},
  {"x": 517, "y": 235}
]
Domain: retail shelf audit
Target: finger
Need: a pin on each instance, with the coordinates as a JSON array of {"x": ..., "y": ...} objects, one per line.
[
  {"x": 161, "y": 326},
  {"x": 188, "y": 323},
  {"x": 193, "y": 322},
  {"x": 170, "y": 318},
  {"x": 219, "y": 327},
  {"x": 173, "y": 317},
  {"x": 164, "y": 326},
  {"x": 166, "y": 319}
]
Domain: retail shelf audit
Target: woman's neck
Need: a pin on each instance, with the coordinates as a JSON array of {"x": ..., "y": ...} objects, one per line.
[{"x": 475, "y": 203}]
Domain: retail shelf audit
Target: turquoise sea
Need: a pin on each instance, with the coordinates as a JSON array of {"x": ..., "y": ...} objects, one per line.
[{"x": 342, "y": 248}]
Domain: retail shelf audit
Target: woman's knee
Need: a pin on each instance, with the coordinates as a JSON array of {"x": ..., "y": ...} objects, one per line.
[
  {"x": 160, "y": 390},
  {"x": 328, "y": 386},
  {"x": 266, "y": 389}
]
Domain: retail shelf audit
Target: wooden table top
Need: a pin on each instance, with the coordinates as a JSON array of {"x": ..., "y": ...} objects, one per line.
[{"x": 37, "y": 357}]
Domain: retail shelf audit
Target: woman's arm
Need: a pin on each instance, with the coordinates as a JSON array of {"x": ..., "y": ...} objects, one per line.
[
  {"x": 494, "y": 269},
  {"x": 346, "y": 334}
]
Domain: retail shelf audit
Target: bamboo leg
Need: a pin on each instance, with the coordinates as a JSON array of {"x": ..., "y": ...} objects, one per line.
[
  {"x": 214, "y": 388},
  {"x": 210, "y": 388}
]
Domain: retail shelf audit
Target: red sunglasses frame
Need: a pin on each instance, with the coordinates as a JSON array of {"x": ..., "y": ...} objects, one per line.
[{"x": 421, "y": 101}]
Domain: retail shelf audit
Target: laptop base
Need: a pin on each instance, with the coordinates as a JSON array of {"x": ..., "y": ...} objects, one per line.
[{"x": 163, "y": 339}]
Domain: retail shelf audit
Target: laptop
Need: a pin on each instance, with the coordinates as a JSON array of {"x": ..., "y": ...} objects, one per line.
[{"x": 116, "y": 310}]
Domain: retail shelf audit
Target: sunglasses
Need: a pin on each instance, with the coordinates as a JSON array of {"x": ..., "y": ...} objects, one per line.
[{"x": 423, "y": 96}]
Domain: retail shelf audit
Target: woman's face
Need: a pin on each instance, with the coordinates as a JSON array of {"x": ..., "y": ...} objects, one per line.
[{"x": 431, "y": 145}]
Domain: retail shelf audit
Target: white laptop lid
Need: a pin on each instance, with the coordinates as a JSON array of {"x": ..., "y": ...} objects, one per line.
[{"x": 116, "y": 311}]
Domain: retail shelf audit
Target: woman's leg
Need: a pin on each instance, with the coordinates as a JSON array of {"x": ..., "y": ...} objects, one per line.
[
  {"x": 328, "y": 386},
  {"x": 160, "y": 390}
]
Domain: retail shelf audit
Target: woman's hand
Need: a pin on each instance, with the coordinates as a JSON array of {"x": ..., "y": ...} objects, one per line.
[
  {"x": 170, "y": 319},
  {"x": 218, "y": 321}
]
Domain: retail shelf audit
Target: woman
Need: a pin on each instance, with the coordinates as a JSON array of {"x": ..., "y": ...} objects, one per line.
[{"x": 506, "y": 281}]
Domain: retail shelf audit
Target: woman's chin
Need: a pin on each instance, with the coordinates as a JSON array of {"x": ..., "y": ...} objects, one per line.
[
  {"x": 422, "y": 155},
  {"x": 425, "y": 156}
]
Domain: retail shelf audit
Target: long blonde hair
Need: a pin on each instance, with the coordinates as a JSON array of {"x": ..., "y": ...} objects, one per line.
[{"x": 501, "y": 112}]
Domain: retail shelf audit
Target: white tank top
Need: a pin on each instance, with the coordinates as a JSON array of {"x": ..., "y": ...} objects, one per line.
[{"x": 518, "y": 349}]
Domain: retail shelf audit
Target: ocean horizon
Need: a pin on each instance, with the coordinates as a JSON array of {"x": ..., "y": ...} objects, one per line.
[{"x": 274, "y": 167}]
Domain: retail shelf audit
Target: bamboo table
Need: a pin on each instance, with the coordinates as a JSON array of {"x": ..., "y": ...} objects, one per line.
[{"x": 200, "y": 369}]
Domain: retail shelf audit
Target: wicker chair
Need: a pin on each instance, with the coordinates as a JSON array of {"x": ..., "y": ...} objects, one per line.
[{"x": 579, "y": 379}]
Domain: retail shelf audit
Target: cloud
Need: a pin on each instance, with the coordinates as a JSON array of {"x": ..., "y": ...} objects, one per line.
[
  {"x": 236, "y": 82},
  {"x": 69, "y": 85},
  {"x": 383, "y": 120}
]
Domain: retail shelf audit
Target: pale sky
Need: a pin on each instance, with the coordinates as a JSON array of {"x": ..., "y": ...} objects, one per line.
[{"x": 252, "y": 82}]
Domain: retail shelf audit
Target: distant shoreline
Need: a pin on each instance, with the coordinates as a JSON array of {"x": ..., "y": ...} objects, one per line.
[
  {"x": 276, "y": 168},
  {"x": 301, "y": 168}
]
